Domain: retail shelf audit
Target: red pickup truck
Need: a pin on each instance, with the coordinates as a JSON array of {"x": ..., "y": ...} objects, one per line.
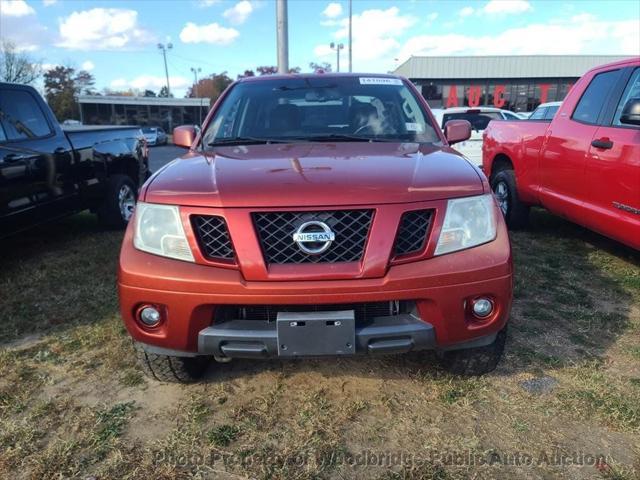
[
  {"x": 316, "y": 215},
  {"x": 584, "y": 164}
]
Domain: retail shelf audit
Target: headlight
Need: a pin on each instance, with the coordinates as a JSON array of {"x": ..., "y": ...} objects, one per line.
[
  {"x": 468, "y": 222},
  {"x": 158, "y": 230}
]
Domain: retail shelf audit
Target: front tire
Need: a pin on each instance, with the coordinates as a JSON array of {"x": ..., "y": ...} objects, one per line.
[
  {"x": 170, "y": 369},
  {"x": 516, "y": 213},
  {"x": 119, "y": 201},
  {"x": 475, "y": 361}
]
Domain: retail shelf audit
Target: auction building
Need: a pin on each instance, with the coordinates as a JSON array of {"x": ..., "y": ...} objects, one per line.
[
  {"x": 144, "y": 111},
  {"x": 518, "y": 83}
]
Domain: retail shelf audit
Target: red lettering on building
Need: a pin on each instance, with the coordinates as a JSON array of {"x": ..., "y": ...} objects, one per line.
[
  {"x": 498, "y": 98},
  {"x": 452, "y": 99},
  {"x": 474, "y": 95},
  {"x": 544, "y": 92}
]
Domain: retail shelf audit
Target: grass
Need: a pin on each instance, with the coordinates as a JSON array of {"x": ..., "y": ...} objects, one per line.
[{"x": 73, "y": 404}]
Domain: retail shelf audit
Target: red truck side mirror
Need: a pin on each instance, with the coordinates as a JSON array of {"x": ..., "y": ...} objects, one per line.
[
  {"x": 457, "y": 131},
  {"x": 184, "y": 136},
  {"x": 631, "y": 112}
]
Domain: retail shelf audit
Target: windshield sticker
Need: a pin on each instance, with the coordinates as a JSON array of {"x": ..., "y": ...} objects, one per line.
[
  {"x": 413, "y": 127},
  {"x": 379, "y": 81}
]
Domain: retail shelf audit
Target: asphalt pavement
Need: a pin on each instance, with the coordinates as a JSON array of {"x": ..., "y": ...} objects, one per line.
[{"x": 159, "y": 156}]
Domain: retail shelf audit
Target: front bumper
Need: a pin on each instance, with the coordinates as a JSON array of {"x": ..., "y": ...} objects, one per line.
[{"x": 441, "y": 288}]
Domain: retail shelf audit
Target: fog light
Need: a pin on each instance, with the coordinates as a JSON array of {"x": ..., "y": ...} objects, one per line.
[
  {"x": 482, "y": 307},
  {"x": 150, "y": 316}
]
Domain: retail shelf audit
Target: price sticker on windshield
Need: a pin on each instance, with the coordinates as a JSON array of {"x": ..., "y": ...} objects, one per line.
[{"x": 380, "y": 81}]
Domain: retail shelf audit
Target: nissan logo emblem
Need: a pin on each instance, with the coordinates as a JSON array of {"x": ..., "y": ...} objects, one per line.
[{"x": 314, "y": 237}]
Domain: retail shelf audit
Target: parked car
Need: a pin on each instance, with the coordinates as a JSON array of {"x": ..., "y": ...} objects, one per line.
[
  {"x": 155, "y": 135},
  {"x": 47, "y": 172},
  {"x": 583, "y": 164},
  {"x": 479, "y": 117},
  {"x": 316, "y": 215},
  {"x": 545, "y": 111}
]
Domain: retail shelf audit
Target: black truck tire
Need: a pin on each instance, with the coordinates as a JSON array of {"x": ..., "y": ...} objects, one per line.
[
  {"x": 165, "y": 368},
  {"x": 516, "y": 213},
  {"x": 117, "y": 206},
  {"x": 474, "y": 361}
]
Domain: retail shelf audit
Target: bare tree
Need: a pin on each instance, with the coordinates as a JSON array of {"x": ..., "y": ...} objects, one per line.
[{"x": 16, "y": 67}]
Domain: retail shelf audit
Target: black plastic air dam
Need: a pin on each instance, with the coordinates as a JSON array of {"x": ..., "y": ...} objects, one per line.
[{"x": 250, "y": 339}]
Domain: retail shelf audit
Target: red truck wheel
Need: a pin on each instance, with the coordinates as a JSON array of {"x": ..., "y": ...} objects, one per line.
[
  {"x": 171, "y": 369},
  {"x": 475, "y": 361},
  {"x": 516, "y": 213}
]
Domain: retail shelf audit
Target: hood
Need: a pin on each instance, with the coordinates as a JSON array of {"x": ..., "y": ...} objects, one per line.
[{"x": 315, "y": 174}]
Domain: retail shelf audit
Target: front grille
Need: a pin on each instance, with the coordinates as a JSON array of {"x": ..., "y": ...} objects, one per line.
[
  {"x": 269, "y": 313},
  {"x": 213, "y": 237},
  {"x": 412, "y": 232},
  {"x": 276, "y": 229}
]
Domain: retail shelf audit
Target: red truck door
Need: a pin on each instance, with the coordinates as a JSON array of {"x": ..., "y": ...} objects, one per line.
[
  {"x": 613, "y": 171},
  {"x": 567, "y": 142}
]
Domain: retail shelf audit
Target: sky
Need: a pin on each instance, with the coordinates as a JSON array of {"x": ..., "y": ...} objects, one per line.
[{"x": 117, "y": 40}]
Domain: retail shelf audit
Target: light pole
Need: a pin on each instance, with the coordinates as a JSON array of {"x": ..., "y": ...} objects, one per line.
[
  {"x": 195, "y": 88},
  {"x": 337, "y": 48},
  {"x": 282, "y": 27},
  {"x": 164, "y": 49},
  {"x": 350, "y": 28}
]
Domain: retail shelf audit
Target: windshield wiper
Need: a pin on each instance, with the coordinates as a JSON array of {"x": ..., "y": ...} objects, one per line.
[
  {"x": 344, "y": 137},
  {"x": 243, "y": 141}
]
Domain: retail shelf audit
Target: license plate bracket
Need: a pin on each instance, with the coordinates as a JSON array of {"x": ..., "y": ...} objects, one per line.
[{"x": 302, "y": 334}]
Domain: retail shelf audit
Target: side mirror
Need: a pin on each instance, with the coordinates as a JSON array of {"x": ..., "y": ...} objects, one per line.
[
  {"x": 457, "y": 131},
  {"x": 184, "y": 136},
  {"x": 631, "y": 112}
]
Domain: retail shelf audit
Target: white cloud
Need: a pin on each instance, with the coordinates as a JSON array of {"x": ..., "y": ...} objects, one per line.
[
  {"x": 506, "y": 7},
  {"x": 581, "y": 34},
  {"x": 333, "y": 10},
  {"x": 15, "y": 8},
  {"x": 208, "y": 3},
  {"x": 239, "y": 13},
  {"x": 432, "y": 16},
  {"x": 102, "y": 29},
  {"x": 323, "y": 50},
  {"x": 48, "y": 66},
  {"x": 20, "y": 25},
  {"x": 211, "y": 33},
  {"x": 48, "y": 3},
  {"x": 88, "y": 65},
  {"x": 466, "y": 11},
  {"x": 375, "y": 32},
  {"x": 150, "y": 82}
]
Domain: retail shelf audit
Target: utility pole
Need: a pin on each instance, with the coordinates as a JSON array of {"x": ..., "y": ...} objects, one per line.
[
  {"x": 195, "y": 87},
  {"x": 350, "y": 26},
  {"x": 337, "y": 48},
  {"x": 164, "y": 49},
  {"x": 283, "y": 36}
]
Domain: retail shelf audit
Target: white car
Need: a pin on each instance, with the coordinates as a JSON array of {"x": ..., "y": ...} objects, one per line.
[
  {"x": 545, "y": 111},
  {"x": 154, "y": 135},
  {"x": 479, "y": 117}
]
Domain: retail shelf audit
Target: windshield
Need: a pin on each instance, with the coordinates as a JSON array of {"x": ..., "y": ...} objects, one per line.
[
  {"x": 148, "y": 130},
  {"x": 478, "y": 120},
  {"x": 320, "y": 108}
]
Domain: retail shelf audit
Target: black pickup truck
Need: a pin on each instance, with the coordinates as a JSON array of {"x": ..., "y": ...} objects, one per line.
[{"x": 47, "y": 172}]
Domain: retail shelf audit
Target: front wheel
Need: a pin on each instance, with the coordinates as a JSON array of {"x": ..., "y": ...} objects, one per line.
[
  {"x": 516, "y": 213},
  {"x": 475, "y": 361},
  {"x": 119, "y": 201},
  {"x": 171, "y": 369}
]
